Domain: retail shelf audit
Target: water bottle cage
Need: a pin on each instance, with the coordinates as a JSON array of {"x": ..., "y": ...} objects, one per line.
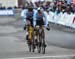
[{"x": 40, "y": 30}]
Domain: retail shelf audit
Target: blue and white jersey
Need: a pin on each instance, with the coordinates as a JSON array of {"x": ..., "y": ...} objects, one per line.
[
  {"x": 38, "y": 17},
  {"x": 26, "y": 14},
  {"x": 29, "y": 14},
  {"x": 23, "y": 15}
]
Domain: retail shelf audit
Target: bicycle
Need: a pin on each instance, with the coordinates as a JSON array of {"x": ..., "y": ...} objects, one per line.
[
  {"x": 30, "y": 38},
  {"x": 41, "y": 42}
]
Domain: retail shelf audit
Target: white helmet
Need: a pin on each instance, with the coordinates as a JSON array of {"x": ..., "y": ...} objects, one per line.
[{"x": 39, "y": 8}]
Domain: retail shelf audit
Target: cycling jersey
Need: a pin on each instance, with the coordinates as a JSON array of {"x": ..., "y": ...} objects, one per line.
[
  {"x": 39, "y": 16},
  {"x": 41, "y": 19},
  {"x": 35, "y": 16},
  {"x": 28, "y": 15}
]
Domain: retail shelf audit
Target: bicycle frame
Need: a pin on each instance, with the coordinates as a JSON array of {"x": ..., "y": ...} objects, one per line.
[
  {"x": 41, "y": 40},
  {"x": 30, "y": 40},
  {"x": 30, "y": 32}
]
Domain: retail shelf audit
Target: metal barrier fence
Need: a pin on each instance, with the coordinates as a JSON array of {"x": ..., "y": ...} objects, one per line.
[{"x": 61, "y": 18}]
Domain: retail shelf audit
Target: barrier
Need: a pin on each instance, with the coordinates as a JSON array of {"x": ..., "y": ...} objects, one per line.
[
  {"x": 6, "y": 12},
  {"x": 62, "y": 18}
]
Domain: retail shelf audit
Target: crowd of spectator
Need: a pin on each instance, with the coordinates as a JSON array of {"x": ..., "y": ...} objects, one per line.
[
  {"x": 57, "y": 5},
  {"x": 4, "y": 8}
]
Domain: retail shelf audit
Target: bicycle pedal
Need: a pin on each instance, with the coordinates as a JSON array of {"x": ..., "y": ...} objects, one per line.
[
  {"x": 34, "y": 47},
  {"x": 45, "y": 45}
]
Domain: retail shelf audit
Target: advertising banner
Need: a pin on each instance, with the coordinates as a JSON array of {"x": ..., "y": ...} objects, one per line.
[{"x": 6, "y": 12}]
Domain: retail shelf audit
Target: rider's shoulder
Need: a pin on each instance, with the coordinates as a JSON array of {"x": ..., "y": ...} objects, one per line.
[{"x": 24, "y": 11}]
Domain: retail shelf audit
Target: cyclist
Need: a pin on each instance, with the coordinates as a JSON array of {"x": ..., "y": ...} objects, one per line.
[
  {"x": 28, "y": 18},
  {"x": 41, "y": 20}
]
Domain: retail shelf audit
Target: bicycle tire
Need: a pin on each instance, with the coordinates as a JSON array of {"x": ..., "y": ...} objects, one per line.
[
  {"x": 29, "y": 46},
  {"x": 43, "y": 48},
  {"x": 43, "y": 44},
  {"x": 33, "y": 46},
  {"x": 40, "y": 41}
]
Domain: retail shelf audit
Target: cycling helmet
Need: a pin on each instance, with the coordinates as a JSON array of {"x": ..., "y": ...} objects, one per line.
[
  {"x": 30, "y": 8},
  {"x": 40, "y": 9}
]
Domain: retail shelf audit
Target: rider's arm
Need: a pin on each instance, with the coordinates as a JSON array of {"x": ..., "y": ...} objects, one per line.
[
  {"x": 34, "y": 18},
  {"x": 45, "y": 19},
  {"x": 23, "y": 14}
]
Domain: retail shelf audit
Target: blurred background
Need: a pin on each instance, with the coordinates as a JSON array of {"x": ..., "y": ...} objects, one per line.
[
  {"x": 60, "y": 39},
  {"x": 34, "y": 3}
]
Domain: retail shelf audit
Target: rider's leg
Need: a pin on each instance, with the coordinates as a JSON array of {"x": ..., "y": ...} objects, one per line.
[
  {"x": 36, "y": 35},
  {"x": 35, "y": 38},
  {"x": 27, "y": 29},
  {"x": 43, "y": 36}
]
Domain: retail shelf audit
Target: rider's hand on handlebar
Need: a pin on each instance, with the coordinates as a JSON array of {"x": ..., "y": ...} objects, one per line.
[
  {"x": 24, "y": 27},
  {"x": 48, "y": 27}
]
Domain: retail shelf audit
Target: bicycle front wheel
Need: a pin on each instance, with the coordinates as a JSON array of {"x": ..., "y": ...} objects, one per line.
[{"x": 43, "y": 48}]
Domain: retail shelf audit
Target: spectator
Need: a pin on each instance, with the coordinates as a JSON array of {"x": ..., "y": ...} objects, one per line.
[
  {"x": 9, "y": 8},
  {"x": 58, "y": 9},
  {"x": 68, "y": 9},
  {"x": 69, "y": 1},
  {"x": 57, "y": 5}
]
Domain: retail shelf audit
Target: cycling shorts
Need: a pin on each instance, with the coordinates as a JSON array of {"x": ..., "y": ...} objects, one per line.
[
  {"x": 40, "y": 22},
  {"x": 31, "y": 21}
]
